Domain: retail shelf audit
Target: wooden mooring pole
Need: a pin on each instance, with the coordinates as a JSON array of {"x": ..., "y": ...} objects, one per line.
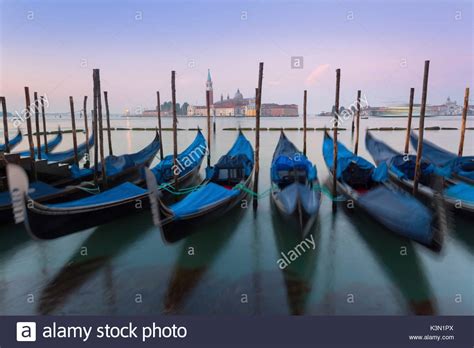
[
  {"x": 419, "y": 151},
  {"x": 86, "y": 128},
  {"x": 95, "y": 132},
  {"x": 98, "y": 110},
  {"x": 175, "y": 128},
  {"x": 30, "y": 134},
  {"x": 357, "y": 126},
  {"x": 464, "y": 119},
  {"x": 335, "y": 129},
  {"x": 107, "y": 114},
  {"x": 5, "y": 124},
  {"x": 158, "y": 109},
  {"x": 258, "y": 107},
  {"x": 37, "y": 124},
  {"x": 73, "y": 124},
  {"x": 43, "y": 117},
  {"x": 410, "y": 116},
  {"x": 305, "y": 100},
  {"x": 208, "y": 105},
  {"x": 353, "y": 122}
]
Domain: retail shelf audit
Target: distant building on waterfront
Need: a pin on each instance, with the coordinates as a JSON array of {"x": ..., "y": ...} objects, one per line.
[
  {"x": 449, "y": 108},
  {"x": 239, "y": 105}
]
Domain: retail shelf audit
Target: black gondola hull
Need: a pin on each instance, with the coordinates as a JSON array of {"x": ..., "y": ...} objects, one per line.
[
  {"x": 176, "y": 230},
  {"x": 46, "y": 224}
]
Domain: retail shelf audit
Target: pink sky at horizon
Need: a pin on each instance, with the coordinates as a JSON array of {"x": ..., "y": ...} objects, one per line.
[{"x": 136, "y": 58}]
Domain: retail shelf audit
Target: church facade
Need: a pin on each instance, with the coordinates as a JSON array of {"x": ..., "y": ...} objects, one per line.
[{"x": 238, "y": 105}]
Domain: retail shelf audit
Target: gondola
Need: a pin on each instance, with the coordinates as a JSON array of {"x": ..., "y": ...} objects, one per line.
[
  {"x": 295, "y": 186},
  {"x": 50, "y": 221},
  {"x": 226, "y": 185},
  {"x": 448, "y": 164},
  {"x": 53, "y": 168},
  {"x": 13, "y": 142},
  {"x": 369, "y": 190},
  {"x": 67, "y": 156},
  {"x": 52, "y": 144},
  {"x": 119, "y": 169},
  {"x": 401, "y": 169}
]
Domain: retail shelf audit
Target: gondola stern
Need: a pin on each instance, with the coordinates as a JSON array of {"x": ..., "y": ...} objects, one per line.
[{"x": 156, "y": 204}]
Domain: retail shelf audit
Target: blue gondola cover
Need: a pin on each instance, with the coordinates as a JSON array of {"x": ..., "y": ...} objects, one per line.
[
  {"x": 446, "y": 162},
  {"x": 187, "y": 160},
  {"x": 51, "y": 145},
  {"x": 64, "y": 155},
  {"x": 287, "y": 158},
  {"x": 346, "y": 157},
  {"x": 212, "y": 193}
]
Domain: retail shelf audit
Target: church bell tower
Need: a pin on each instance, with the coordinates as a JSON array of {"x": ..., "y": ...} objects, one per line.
[{"x": 209, "y": 87}]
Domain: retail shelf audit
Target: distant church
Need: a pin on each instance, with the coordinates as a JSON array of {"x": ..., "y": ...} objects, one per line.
[{"x": 238, "y": 106}]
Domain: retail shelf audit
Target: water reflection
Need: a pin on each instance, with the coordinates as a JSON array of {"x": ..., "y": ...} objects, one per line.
[
  {"x": 12, "y": 238},
  {"x": 299, "y": 274},
  {"x": 107, "y": 242},
  {"x": 463, "y": 232},
  {"x": 399, "y": 260},
  {"x": 197, "y": 255},
  {"x": 256, "y": 275}
]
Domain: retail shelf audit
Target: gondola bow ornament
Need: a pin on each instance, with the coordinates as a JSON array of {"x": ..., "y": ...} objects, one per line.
[{"x": 18, "y": 186}]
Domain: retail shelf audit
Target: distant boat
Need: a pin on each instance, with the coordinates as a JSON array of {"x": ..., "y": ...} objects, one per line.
[
  {"x": 368, "y": 188},
  {"x": 295, "y": 185},
  {"x": 401, "y": 169}
]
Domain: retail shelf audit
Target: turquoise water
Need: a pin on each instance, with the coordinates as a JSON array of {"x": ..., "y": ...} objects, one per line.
[{"x": 229, "y": 266}]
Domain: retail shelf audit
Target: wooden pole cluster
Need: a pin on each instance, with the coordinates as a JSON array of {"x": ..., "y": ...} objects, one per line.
[
  {"x": 37, "y": 124},
  {"x": 30, "y": 133},
  {"x": 158, "y": 109},
  {"x": 419, "y": 151},
  {"x": 336, "y": 126},
  {"x": 43, "y": 116},
  {"x": 5, "y": 124},
  {"x": 98, "y": 119},
  {"x": 258, "y": 106},
  {"x": 73, "y": 124},
  {"x": 464, "y": 118},
  {"x": 208, "y": 105},
  {"x": 305, "y": 100},
  {"x": 107, "y": 113},
  {"x": 356, "y": 146},
  {"x": 175, "y": 127},
  {"x": 410, "y": 116}
]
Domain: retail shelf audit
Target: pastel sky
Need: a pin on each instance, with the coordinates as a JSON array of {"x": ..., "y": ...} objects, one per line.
[{"x": 380, "y": 46}]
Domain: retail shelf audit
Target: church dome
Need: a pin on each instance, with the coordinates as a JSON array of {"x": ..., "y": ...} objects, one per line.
[{"x": 238, "y": 95}]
